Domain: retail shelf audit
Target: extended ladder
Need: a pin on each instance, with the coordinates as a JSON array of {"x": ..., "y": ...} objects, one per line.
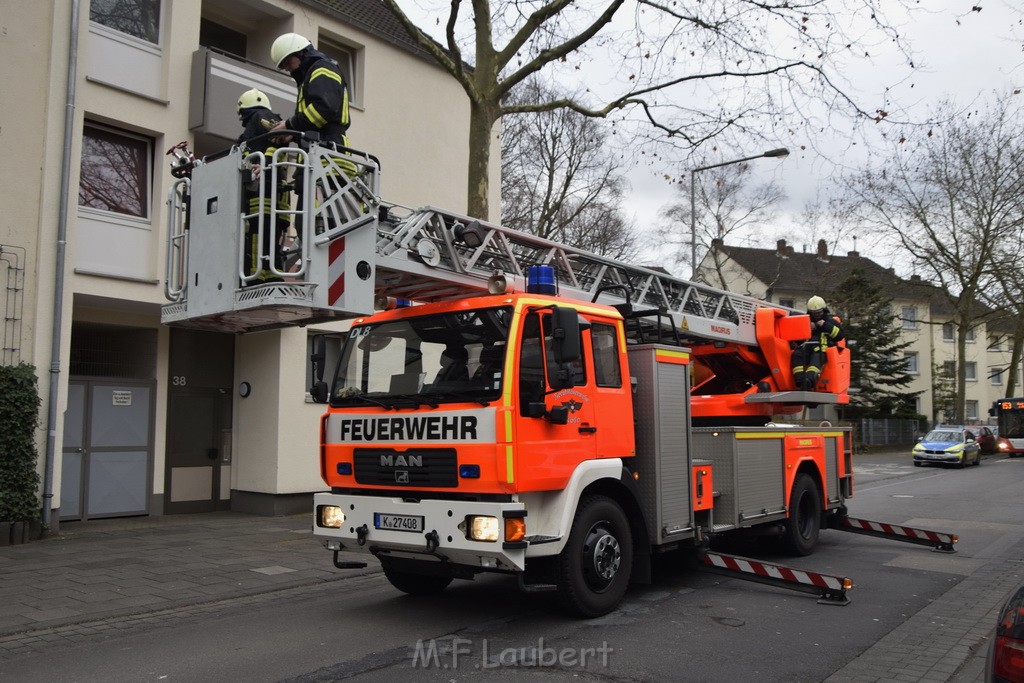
[{"x": 352, "y": 249}]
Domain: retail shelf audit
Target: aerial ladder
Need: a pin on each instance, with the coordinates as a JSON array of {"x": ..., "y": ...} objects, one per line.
[{"x": 351, "y": 251}]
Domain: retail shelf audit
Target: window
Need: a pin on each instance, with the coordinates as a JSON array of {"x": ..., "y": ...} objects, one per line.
[
  {"x": 788, "y": 303},
  {"x": 909, "y": 318},
  {"x": 910, "y": 358},
  {"x": 212, "y": 34},
  {"x": 994, "y": 342},
  {"x": 971, "y": 371},
  {"x": 948, "y": 332},
  {"x": 970, "y": 336},
  {"x": 346, "y": 57},
  {"x": 949, "y": 368},
  {"x": 971, "y": 410},
  {"x": 139, "y": 18},
  {"x": 115, "y": 171},
  {"x": 996, "y": 375},
  {"x": 606, "y": 356}
]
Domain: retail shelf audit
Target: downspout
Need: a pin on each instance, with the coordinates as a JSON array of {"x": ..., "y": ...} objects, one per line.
[{"x": 58, "y": 286}]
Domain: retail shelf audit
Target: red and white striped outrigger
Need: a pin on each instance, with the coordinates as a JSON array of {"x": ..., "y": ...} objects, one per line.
[
  {"x": 940, "y": 542},
  {"x": 831, "y": 590}
]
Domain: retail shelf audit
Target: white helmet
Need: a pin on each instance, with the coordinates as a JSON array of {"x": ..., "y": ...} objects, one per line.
[
  {"x": 287, "y": 44},
  {"x": 253, "y": 98},
  {"x": 815, "y": 303}
]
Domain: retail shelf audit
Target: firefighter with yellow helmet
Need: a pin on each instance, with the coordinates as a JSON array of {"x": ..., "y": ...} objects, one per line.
[
  {"x": 322, "y": 103},
  {"x": 258, "y": 120},
  {"x": 809, "y": 358}
]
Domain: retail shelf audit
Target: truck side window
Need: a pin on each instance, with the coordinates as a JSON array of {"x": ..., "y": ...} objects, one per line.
[
  {"x": 531, "y": 364},
  {"x": 607, "y": 370}
]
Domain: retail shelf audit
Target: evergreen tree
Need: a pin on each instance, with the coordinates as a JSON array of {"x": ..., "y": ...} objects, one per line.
[{"x": 878, "y": 370}]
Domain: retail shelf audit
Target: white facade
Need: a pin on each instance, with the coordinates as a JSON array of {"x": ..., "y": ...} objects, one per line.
[{"x": 134, "y": 92}]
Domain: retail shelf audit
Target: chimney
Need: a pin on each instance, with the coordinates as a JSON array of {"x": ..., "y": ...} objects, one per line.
[
  {"x": 915, "y": 278},
  {"x": 822, "y": 249},
  {"x": 781, "y": 247},
  {"x": 789, "y": 251},
  {"x": 853, "y": 254},
  {"x": 717, "y": 243}
]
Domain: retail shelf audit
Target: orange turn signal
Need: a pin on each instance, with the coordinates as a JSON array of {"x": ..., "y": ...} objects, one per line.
[{"x": 515, "y": 529}]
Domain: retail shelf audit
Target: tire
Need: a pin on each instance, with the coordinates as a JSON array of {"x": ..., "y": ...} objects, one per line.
[
  {"x": 918, "y": 464},
  {"x": 594, "y": 568},
  {"x": 800, "y": 533},
  {"x": 977, "y": 459},
  {"x": 962, "y": 464},
  {"x": 415, "y": 584}
]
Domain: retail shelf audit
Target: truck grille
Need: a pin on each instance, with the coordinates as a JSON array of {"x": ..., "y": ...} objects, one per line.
[{"x": 417, "y": 467}]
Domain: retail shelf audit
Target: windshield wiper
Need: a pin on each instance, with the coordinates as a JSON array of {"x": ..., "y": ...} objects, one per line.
[
  {"x": 367, "y": 399},
  {"x": 456, "y": 395},
  {"x": 416, "y": 399}
]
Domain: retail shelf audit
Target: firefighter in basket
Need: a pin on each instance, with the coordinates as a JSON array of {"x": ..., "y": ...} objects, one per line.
[{"x": 809, "y": 357}]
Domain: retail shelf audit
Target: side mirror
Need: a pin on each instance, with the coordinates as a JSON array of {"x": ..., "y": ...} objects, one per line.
[
  {"x": 565, "y": 331},
  {"x": 318, "y": 357},
  {"x": 319, "y": 392}
]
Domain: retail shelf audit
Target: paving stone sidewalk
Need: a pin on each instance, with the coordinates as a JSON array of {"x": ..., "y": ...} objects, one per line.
[{"x": 108, "y": 568}]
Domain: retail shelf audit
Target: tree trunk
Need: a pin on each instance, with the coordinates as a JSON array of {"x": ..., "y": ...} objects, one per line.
[
  {"x": 481, "y": 124},
  {"x": 961, "y": 374}
]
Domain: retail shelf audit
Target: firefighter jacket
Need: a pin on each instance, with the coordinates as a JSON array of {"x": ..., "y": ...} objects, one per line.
[
  {"x": 322, "y": 103},
  {"x": 258, "y": 121},
  {"x": 828, "y": 334}
]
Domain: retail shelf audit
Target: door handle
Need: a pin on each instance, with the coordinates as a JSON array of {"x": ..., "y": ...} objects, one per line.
[
  {"x": 211, "y": 453},
  {"x": 588, "y": 430}
]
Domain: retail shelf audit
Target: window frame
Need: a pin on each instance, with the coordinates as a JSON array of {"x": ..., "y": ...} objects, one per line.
[
  {"x": 948, "y": 332},
  {"x": 971, "y": 371},
  {"x": 350, "y": 66},
  {"x": 909, "y": 322},
  {"x": 912, "y": 361},
  {"x": 155, "y": 41},
  {"x": 601, "y": 373},
  {"x": 149, "y": 145}
]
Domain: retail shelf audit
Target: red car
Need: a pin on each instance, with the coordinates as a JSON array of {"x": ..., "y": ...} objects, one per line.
[{"x": 1006, "y": 649}]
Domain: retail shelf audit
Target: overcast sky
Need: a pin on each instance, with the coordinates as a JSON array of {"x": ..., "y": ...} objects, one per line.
[{"x": 963, "y": 55}]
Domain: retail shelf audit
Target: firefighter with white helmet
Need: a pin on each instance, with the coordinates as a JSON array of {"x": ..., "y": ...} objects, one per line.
[
  {"x": 259, "y": 120},
  {"x": 809, "y": 358},
  {"x": 322, "y": 104}
]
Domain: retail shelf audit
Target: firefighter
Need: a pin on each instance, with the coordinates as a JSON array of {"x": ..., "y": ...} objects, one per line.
[
  {"x": 809, "y": 358},
  {"x": 258, "y": 120},
  {"x": 322, "y": 104}
]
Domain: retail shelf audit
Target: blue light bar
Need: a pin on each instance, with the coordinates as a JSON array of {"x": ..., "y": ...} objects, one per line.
[
  {"x": 541, "y": 280},
  {"x": 469, "y": 471},
  {"x": 344, "y": 468}
]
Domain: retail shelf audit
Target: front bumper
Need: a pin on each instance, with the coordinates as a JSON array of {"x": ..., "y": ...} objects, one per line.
[
  {"x": 928, "y": 456},
  {"x": 441, "y": 538}
]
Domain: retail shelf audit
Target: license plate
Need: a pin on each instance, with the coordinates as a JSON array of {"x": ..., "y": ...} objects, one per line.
[{"x": 390, "y": 522}]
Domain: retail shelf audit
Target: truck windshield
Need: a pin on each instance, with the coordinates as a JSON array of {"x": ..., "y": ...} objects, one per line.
[{"x": 424, "y": 360}]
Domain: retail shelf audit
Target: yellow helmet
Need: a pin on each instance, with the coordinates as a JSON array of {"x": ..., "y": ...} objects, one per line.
[
  {"x": 815, "y": 303},
  {"x": 253, "y": 98},
  {"x": 287, "y": 44}
]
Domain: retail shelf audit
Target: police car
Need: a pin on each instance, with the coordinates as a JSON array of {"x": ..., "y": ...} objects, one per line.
[{"x": 950, "y": 445}]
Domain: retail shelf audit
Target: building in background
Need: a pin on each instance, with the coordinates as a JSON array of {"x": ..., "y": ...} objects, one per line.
[
  {"x": 149, "y": 420},
  {"x": 924, "y": 317}
]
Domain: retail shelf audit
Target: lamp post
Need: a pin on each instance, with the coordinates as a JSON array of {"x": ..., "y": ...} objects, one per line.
[{"x": 781, "y": 152}]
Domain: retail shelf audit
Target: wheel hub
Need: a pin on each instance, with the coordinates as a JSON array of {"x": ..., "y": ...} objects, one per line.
[{"x": 605, "y": 553}]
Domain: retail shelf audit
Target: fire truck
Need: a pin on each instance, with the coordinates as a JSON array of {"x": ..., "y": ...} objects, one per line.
[{"x": 504, "y": 403}]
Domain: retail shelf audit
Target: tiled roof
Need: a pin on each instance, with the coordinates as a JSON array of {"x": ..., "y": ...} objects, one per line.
[
  {"x": 374, "y": 18},
  {"x": 785, "y": 270}
]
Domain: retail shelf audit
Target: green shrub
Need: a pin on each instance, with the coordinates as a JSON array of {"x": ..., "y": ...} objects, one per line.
[{"x": 19, "y": 416}]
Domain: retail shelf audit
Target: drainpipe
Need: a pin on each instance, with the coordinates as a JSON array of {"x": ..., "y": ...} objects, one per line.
[{"x": 58, "y": 287}]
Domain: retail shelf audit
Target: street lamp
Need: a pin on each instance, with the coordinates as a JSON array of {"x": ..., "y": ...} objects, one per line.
[{"x": 781, "y": 152}]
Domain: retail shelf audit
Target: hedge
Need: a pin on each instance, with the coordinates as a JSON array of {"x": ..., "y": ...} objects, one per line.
[{"x": 19, "y": 416}]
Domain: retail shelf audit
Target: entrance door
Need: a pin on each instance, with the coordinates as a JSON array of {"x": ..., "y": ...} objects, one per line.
[
  {"x": 198, "y": 450},
  {"x": 108, "y": 446}
]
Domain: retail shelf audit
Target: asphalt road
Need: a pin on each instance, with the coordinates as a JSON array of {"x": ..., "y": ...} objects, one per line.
[{"x": 687, "y": 626}]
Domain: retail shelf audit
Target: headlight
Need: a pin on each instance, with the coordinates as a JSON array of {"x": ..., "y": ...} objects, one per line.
[
  {"x": 484, "y": 528},
  {"x": 955, "y": 449},
  {"x": 919, "y": 448},
  {"x": 331, "y": 516}
]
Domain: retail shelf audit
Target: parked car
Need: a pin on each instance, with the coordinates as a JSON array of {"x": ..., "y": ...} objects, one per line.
[
  {"x": 950, "y": 445},
  {"x": 1005, "y": 662},
  {"x": 988, "y": 439}
]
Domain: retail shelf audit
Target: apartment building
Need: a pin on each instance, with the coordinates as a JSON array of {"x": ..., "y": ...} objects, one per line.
[
  {"x": 924, "y": 317},
  {"x": 142, "y": 419}
]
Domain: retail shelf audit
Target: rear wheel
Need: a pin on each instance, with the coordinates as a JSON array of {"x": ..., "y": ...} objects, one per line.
[
  {"x": 413, "y": 583},
  {"x": 594, "y": 567},
  {"x": 801, "y": 529}
]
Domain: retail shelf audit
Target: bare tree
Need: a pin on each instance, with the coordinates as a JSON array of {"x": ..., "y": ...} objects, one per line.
[
  {"x": 727, "y": 202},
  {"x": 691, "y": 70},
  {"x": 949, "y": 201},
  {"x": 561, "y": 180}
]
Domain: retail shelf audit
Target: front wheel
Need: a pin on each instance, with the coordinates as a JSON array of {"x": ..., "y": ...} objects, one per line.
[
  {"x": 595, "y": 565},
  {"x": 413, "y": 583},
  {"x": 800, "y": 533}
]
